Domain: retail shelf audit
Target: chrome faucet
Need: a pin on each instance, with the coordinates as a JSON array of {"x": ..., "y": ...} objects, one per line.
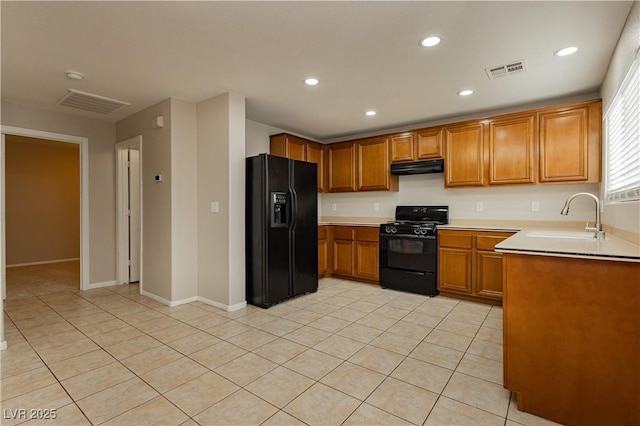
[{"x": 597, "y": 230}]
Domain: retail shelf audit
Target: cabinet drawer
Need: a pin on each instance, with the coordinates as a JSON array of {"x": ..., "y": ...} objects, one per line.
[
  {"x": 343, "y": 233},
  {"x": 367, "y": 234},
  {"x": 454, "y": 239},
  {"x": 488, "y": 242},
  {"x": 322, "y": 232}
]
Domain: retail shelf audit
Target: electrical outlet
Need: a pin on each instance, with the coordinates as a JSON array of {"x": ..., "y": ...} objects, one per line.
[
  {"x": 215, "y": 207},
  {"x": 376, "y": 207},
  {"x": 479, "y": 207},
  {"x": 535, "y": 206},
  {"x": 334, "y": 207}
]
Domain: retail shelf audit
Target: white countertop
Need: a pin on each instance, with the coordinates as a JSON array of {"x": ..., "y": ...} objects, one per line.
[
  {"x": 531, "y": 241},
  {"x": 492, "y": 227},
  {"x": 611, "y": 248}
]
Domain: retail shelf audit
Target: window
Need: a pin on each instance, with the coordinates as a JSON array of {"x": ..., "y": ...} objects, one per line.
[{"x": 622, "y": 132}]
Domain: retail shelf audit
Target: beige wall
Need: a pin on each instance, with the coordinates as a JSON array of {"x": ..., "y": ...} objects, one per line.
[
  {"x": 237, "y": 189},
  {"x": 184, "y": 192},
  {"x": 221, "y": 176},
  {"x": 156, "y": 196},
  {"x": 101, "y": 136},
  {"x": 213, "y": 186},
  {"x": 257, "y": 137},
  {"x": 42, "y": 200},
  {"x": 510, "y": 202},
  {"x": 187, "y": 250},
  {"x": 623, "y": 217}
]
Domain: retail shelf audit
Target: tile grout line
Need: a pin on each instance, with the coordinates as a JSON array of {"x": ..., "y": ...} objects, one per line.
[{"x": 256, "y": 327}]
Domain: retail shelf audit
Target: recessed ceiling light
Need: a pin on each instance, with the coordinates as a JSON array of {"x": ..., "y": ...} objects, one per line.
[
  {"x": 430, "y": 41},
  {"x": 311, "y": 81},
  {"x": 566, "y": 51},
  {"x": 370, "y": 113},
  {"x": 466, "y": 92},
  {"x": 74, "y": 75}
]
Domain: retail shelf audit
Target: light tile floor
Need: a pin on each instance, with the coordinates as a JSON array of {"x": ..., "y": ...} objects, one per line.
[{"x": 351, "y": 354}]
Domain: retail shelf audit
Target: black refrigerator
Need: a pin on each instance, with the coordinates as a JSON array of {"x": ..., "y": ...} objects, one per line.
[{"x": 281, "y": 229}]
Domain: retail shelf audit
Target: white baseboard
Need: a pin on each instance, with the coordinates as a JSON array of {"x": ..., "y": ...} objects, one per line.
[
  {"x": 183, "y": 301},
  {"x": 44, "y": 262},
  {"x": 170, "y": 303},
  {"x": 92, "y": 286},
  {"x": 156, "y": 298},
  {"x": 3, "y": 345},
  {"x": 228, "y": 308}
]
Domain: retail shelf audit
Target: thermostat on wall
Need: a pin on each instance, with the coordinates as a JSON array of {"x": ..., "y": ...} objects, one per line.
[{"x": 158, "y": 178}]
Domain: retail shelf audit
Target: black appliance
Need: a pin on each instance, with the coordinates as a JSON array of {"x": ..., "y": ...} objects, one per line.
[
  {"x": 281, "y": 229},
  {"x": 418, "y": 167},
  {"x": 409, "y": 249}
]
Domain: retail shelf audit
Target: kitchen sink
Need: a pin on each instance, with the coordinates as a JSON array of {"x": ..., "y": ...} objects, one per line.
[{"x": 572, "y": 235}]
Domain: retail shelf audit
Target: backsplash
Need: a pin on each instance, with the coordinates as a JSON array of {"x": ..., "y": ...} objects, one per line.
[{"x": 511, "y": 202}]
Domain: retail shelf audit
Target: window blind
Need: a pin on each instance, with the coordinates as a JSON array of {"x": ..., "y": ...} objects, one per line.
[{"x": 622, "y": 132}]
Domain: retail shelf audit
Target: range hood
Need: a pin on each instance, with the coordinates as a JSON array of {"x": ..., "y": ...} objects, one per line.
[{"x": 418, "y": 167}]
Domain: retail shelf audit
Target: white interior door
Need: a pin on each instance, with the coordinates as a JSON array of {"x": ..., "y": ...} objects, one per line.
[
  {"x": 129, "y": 211},
  {"x": 134, "y": 215}
]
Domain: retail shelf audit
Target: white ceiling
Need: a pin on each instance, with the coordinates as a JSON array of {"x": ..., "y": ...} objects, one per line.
[{"x": 365, "y": 54}]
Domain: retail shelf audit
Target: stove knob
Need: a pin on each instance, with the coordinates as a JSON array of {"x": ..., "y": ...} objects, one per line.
[{"x": 416, "y": 231}]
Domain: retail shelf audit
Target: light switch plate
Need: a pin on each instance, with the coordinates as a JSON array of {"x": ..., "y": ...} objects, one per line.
[
  {"x": 535, "y": 206},
  {"x": 479, "y": 207},
  {"x": 334, "y": 207},
  {"x": 215, "y": 207}
]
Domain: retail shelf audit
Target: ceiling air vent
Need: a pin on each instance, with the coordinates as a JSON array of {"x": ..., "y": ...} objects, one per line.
[
  {"x": 90, "y": 102},
  {"x": 506, "y": 69}
]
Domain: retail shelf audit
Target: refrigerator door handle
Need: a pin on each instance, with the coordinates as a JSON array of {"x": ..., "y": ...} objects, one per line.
[{"x": 294, "y": 209}]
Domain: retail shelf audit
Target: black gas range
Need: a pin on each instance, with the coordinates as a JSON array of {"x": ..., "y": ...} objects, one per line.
[{"x": 409, "y": 249}]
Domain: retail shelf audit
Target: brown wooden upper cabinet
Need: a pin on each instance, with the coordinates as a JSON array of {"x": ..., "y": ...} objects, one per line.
[
  {"x": 373, "y": 165},
  {"x": 403, "y": 147},
  {"x": 560, "y": 144},
  {"x": 361, "y": 165},
  {"x": 429, "y": 143},
  {"x": 570, "y": 143},
  {"x": 464, "y": 155},
  {"x": 297, "y": 148},
  {"x": 342, "y": 167},
  {"x": 289, "y": 146},
  {"x": 421, "y": 144},
  {"x": 512, "y": 149}
]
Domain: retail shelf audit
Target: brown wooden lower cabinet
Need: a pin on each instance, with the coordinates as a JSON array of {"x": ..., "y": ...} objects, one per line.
[
  {"x": 350, "y": 252},
  {"x": 468, "y": 266},
  {"x": 367, "y": 253},
  {"x": 323, "y": 251},
  {"x": 572, "y": 338}
]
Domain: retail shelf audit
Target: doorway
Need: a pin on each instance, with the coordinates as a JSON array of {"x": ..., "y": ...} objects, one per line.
[
  {"x": 42, "y": 208},
  {"x": 83, "y": 158},
  {"x": 129, "y": 210}
]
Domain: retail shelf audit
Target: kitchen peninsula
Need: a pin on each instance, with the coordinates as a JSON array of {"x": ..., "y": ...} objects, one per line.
[{"x": 571, "y": 320}]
